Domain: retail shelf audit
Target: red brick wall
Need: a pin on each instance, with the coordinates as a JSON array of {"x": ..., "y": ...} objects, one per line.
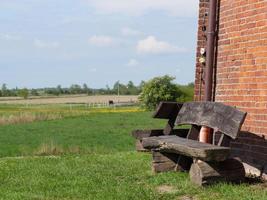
[
  {"x": 241, "y": 71},
  {"x": 201, "y": 43},
  {"x": 242, "y": 60}
]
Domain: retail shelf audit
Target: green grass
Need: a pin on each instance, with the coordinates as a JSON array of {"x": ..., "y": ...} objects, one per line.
[
  {"x": 104, "y": 167},
  {"x": 125, "y": 175},
  {"x": 94, "y": 133}
]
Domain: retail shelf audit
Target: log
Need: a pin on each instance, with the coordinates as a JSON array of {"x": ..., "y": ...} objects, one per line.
[
  {"x": 204, "y": 173},
  {"x": 163, "y": 162},
  {"x": 140, "y": 134},
  {"x": 187, "y": 147}
]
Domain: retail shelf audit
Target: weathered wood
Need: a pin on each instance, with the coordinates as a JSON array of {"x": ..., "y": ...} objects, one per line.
[
  {"x": 184, "y": 162},
  {"x": 163, "y": 167},
  {"x": 139, "y": 146},
  {"x": 173, "y": 153},
  {"x": 169, "y": 126},
  {"x": 186, "y": 147},
  {"x": 218, "y": 116},
  {"x": 166, "y": 110},
  {"x": 163, "y": 162},
  {"x": 193, "y": 133},
  {"x": 203, "y": 173},
  {"x": 140, "y": 134},
  {"x": 224, "y": 141}
]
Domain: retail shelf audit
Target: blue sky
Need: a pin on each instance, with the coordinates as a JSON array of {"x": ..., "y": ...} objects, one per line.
[{"x": 45, "y": 43}]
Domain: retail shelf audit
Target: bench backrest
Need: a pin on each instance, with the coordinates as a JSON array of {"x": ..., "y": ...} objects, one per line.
[
  {"x": 168, "y": 110},
  {"x": 222, "y": 118}
]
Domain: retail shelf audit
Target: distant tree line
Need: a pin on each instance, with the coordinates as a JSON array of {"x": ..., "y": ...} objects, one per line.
[
  {"x": 151, "y": 92},
  {"x": 118, "y": 88}
]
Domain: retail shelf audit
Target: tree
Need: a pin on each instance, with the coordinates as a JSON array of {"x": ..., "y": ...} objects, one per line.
[
  {"x": 34, "y": 92},
  {"x": 130, "y": 85},
  {"x": 24, "y": 93},
  {"x": 4, "y": 90},
  {"x": 116, "y": 87},
  {"x": 75, "y": 89},
  {"x": 132, "y": 89},
  {"x": 86, "y": 89},
  {"x": 59, "y": 90},
  {"x": 159, "y": 89},
  {"x": 192, "y": 84},
  {"x": 108, "y": 90}
]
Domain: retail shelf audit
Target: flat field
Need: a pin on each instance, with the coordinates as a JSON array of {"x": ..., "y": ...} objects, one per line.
[
  {"x": 75, "y": 99},
  {"x": 91, "y": 155}
]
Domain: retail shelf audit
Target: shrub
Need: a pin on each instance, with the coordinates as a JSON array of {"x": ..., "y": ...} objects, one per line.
[
  {"x": 159, "y": 89},
  {"x": 187, "y": 93}
]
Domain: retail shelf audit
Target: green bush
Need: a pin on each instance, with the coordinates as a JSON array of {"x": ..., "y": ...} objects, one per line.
[
  {"x": 24, "y": 93},
  {"x": 159, "y": 89},
  {"x": 187, "y": 93}
]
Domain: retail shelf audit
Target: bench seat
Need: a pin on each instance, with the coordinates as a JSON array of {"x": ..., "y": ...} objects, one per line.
[{"x": 187, "y": 147}]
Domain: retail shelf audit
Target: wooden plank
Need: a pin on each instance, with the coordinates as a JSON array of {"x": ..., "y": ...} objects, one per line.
[
  {"x": 163, "y": 162},
  {"x": 163, "y": 167},
  {"x": 140, "y": 134},
  {"x": 166, "y": 110},
  {"x": 224, "y": 141},
  {"x": 230, "y": 170},
  {"x": 169, "y": 126},
  {"x": 218, "y": 116},
  {"x": 186, "y": 147}
]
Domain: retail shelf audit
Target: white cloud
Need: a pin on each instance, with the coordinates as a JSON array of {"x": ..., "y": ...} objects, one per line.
[
  {"x": 132, "y": 63},
  {"x": 9, "y": 37},
  {"x": 101, "y": 41},
  {"x": 126, "y": 31},
  {"x": 140, "y": 7},
  {"x": 44, "y": 44},
  {"x": 151, "y": 45}
]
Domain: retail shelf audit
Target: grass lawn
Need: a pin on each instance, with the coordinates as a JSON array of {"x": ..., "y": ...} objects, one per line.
[{"x": 94, "y": 158}]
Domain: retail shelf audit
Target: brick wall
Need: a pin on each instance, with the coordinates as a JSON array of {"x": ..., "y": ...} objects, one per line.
[
  {"x": 201, "y": 43},
  {"x": 241, "y": 72}
]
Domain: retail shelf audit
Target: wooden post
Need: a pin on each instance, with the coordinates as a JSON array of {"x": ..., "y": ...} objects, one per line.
[{"x": 204, "y": 173}]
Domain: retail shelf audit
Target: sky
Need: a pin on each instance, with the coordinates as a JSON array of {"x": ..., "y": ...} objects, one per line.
[{"x": 45, "y": 43}]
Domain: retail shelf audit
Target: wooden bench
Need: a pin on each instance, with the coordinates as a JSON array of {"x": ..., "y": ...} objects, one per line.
[
  {"x": 209, "y": 162},
  {"x": 167, "y": 111}
]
